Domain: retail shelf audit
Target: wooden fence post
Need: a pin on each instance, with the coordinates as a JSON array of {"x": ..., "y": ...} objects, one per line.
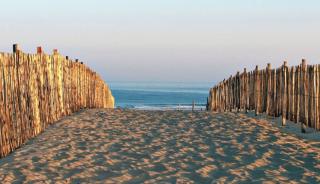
[
  {"x": 55, "y": 51},
  {"x": 245, "y": 90},
  {"x": 238, "y": 89},
  {"x": 39, "y": 50},
  {"x": 193, "y": 105},
  {"x": 268, "y": 98},
  {"x": 298, "y": 94},
  {"x": 284, "y": 93},
  {"x": 16, "y": 48},
  {"x": 303, "y": 95},
  {"x": 317, "y": 97},
  {"x": 256, "y": 87},
  {"x": 313, "y": 95},
  {"x": 230, "y": 94}
]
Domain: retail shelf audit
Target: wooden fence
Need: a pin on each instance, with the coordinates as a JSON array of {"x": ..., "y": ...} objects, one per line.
[
  {"x": 38, "y": 89},
  {"x": 290, "y": 92}
]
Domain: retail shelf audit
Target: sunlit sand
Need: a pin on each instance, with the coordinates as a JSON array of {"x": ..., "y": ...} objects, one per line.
[{"x": 128, "y": 146}]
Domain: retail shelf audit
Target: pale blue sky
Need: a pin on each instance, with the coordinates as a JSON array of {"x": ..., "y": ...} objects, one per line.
[{"x": 166, "y": 40}]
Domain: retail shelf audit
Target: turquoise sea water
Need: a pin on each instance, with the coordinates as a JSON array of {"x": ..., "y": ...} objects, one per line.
[{"x": 160, "y": 95}]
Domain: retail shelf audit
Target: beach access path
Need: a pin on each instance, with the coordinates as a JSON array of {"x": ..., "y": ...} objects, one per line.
[{"x": 130, "y": 146}]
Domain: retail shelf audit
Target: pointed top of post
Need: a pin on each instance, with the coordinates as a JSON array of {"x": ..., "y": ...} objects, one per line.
[
  {"x": 257, "y": 67},
  {"x": 16, "y": 48},
  {"x": 304, "y": 62},
  {"x": 77, "y": 60},
  {"x": 245, "y": 70},
  {"x": 67, "y": 57},
  {"x": 285, "y": 63},
  {"x": 269, "y": 66},
  {"x": 39, "y": 50},
  {"x": 55, "y": 51}
]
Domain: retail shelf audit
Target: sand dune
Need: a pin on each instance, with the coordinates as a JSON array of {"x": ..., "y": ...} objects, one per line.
[{"x": 127, "y": 146}]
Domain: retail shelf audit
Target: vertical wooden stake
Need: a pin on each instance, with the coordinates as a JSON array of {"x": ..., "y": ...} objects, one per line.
[
  {"x": 39, "y": 50},
  {"x": 298, "y": 74},
  {"x": 238, "y": 97},
  {"x": 314, "y": 96},
  {"x": 268, "y": 72},
  {"x": 317, "y": 97},
  {"x": 55, "y": 51},
  {"x": 284, "y": 93},
  {"x": 245, "y": 90},
  {"x": 193, "y": 105},
  {"x": 256, "y": 94},
  {"x": 303, "y": 94},
  {"x": 16, "y": 48}
]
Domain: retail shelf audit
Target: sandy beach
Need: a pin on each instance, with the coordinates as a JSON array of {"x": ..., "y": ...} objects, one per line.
[{"x": 129, "y": 146}]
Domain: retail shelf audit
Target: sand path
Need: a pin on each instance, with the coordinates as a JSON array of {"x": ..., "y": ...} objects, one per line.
[{"x": 127, "y": 146}]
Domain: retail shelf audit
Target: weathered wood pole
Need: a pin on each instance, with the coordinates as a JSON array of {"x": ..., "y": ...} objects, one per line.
[
  {"x": 256, "y": 90},
  {"x": 284, "y": 93},
  {"x": 193, "y": 105},
  {"x": 55, "y": 51},
  {"x": 238, "y": 94},
  {"x": 274, "y": 92},
  {"x": 268, "y": 72},
  {"x": 39, "y": 50},
  {"x": 292, "y": 91},
  {"x": 16, "y": 48},
  {"x": 207, "y": 104},
  {"x": 245, "y": 90},
  {"x": 303, "y": 94},
  {"x": 317, "y": 97},
  {"x": 313, "y": 97},
  {"x": 231, "y": 91},
  {"x": 299, "y": 91}
]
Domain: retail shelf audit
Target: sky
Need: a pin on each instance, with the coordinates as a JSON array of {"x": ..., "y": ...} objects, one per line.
[{"x": 166, "y": 40}]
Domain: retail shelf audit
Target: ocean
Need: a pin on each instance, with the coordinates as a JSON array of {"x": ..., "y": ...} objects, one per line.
[{"x": 160, "y": 95}]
